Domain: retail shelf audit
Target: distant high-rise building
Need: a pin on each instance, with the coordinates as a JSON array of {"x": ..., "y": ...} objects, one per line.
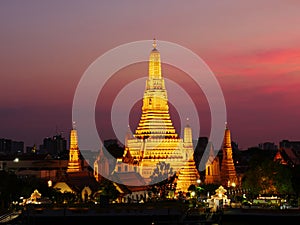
[
  {"x": 8, "y": 146},
  {"x": 56, "y": 146},
  {"x": 270, "y": 146}
]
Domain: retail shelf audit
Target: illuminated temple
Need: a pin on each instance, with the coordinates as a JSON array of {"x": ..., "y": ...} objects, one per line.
[
  {"x": 228, "y": 172},
  {"x": 155, "y": 139},
  {"x": 74, "y": 164}
]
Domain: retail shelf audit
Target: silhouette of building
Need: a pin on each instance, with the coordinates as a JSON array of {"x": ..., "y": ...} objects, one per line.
[
  {"x": 292, "y": 151},
  {"x": 8, "y": 146},
  {"x": 199, "y": 149},
  {"x": 269, "y": 146},
  {"x": 286, "y": 144},
  {"x": 281, "y": 157},
  {"x": 56, "y": 146}
]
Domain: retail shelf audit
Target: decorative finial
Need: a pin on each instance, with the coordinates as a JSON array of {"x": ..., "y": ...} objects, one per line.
[
  {"x": 74, "y": 125},
  {"x": 128, "y": 128},
  {"x": 154, "y": 43},
  {"x": 226, "y": 127},
  {"x": 187, "y": 122}
]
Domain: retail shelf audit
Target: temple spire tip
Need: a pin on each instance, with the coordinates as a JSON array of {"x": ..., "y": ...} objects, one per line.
[
  {"x": 154, "y": 43},
  {"x": 187, "y": 122}
]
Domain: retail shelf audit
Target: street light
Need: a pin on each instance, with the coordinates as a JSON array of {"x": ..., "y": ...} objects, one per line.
[
  {"x": 49, "y": 183},
  {"x": 198, "y": 189},
  {"x": 193, "y": 194}
]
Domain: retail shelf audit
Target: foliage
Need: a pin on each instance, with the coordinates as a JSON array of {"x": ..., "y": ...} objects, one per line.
[
  {"x": 162, "y": 172},
  {"x": 296, "y": 179},
  {"x": 8, "y": 187},
  {"x": 162, "y": 179},
  {"x": 63, "y": 198},
  {"x": 197, "y": 189},
  {"x": 12, "y": 187},
  {"x": 109, "y": 189},
  {"x": 210, "y": 188},
  {"x": 268, "y": 177},
  {"x": 114, "y": 149}
]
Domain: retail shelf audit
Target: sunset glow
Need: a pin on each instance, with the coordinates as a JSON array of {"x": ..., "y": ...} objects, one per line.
[{"x": 252, "y": 47}]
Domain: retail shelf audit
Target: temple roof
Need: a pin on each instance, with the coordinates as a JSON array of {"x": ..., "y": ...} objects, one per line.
[
  {"x": 78, "y": 180},
  {"x": 129, "y": 178}
]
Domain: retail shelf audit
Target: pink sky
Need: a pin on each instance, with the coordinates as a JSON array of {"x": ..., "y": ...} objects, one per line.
[{"x": 252, "y": 47}]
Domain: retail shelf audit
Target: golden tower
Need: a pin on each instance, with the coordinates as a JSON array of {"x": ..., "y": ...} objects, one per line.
[
  {"x": 74, "y": 164},
  {"x": 228, "y": 173},
  {"x": 155, "y": 138},
  {"x": 189, "y": 173},
  {"x": 155, "y": 121},
  {"x": 187, "y": 176}
]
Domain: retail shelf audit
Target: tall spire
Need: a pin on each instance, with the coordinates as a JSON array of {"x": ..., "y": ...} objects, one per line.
[
  {"x": 154, "y": 43},
  {"x": 73, "y": 138},
  {"x": 187, "y": 122},
  {"x": 187, "y": 136},
  {"x": 74, "y": 164},
  {"x": 155, "y": 139},
  {"x": 228, "y": 173},
  {"x": 128, "y": 136},
  {"x": 227, "y": 137},
  {"x": 154, "y": 62},
  {"x": 155, "y": 120}
]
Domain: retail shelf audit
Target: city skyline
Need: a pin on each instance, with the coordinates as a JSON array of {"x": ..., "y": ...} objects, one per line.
[{"x": 252, "y": 49}]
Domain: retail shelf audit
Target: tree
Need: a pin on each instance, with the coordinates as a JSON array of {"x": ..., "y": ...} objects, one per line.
[
  {"x": 269, "y": 178},
  {"x": 8, "y": 188},
  {"x": 162, "y": 179},
  {"x": 109, "y": 189},
  {"x": 162, "y": 172},
  {"x": 197, "y": 189}
]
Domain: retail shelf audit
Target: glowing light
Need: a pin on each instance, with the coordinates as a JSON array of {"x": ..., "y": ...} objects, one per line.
[
  {"x": 16, "y": 160},
  {"x": 49, "y": 183}
]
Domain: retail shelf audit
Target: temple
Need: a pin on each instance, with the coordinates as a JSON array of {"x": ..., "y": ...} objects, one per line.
[
  {"x": 155, "y": 138},
  {"x": 228, "y": 172},
  {"x": 212, "y": 167},
  {"x": 74, "y": 164}
]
